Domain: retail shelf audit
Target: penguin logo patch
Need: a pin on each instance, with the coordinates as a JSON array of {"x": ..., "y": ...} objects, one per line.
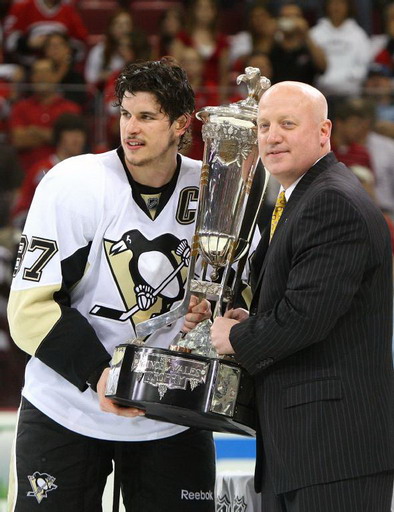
[
  {"x": 149, "y": 275},
  {"x": 41, "y": 483}
]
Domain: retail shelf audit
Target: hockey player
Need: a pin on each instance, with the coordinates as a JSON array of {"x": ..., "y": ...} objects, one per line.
[{"x": 106, "y": 245}]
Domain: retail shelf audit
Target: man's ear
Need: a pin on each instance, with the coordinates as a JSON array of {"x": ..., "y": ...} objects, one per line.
[
  {"x": 183, "y": 123},
  {"x": 325, "y": 132}
]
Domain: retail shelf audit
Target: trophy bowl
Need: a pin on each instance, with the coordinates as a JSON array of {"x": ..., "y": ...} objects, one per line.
[{"x": 183, "y": 388}]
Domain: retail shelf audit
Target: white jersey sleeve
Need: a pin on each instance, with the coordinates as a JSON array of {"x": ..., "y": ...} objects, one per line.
[{"x": 60, "y": 227}]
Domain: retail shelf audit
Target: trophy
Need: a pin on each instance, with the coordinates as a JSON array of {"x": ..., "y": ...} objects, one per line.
[{"x": 188, "y": 383}]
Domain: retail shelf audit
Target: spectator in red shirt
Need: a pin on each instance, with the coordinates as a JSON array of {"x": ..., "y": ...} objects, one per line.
[
  {"x": 29, "y": 21},
  {"x": 32, "y": 118},
  {"x": 294, "y": 54},
  {"x": 256, "y": 59},
  {"x": 367, "y": 180},
  {"x": 12, "y": 76},
  {"x": 107, "y": 56},
  {"x": 69, "y": 138},
  {"x": 383, "y": 54},
  {"x": 345, "y": 140},
  {"x": 57, "y": 47},
  {"x": 131, "y": 47},
  {"x": 206, "y": 94},
  {"x": 171, "y": 23},
  {"x": 257, "y": 36},
  {"x": 212, "y": 45}
]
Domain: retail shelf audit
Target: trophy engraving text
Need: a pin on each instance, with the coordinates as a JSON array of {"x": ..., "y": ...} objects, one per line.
[{"x": 169, "y": 372}]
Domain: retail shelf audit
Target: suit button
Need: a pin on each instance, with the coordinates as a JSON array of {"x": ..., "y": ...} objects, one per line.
[
  {"x": 265, "y": 362},
  {"x": 253, "y": 311}
]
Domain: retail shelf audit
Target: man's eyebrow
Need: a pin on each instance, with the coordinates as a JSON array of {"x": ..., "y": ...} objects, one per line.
[
  {"x": 143, "y": 112},
  {"x": 150, "y": 112}
]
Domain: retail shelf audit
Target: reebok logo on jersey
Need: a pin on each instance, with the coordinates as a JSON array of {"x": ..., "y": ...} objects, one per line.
[
  {"x": 41, "y": 483},
  {"x": 196, "y": 495}
]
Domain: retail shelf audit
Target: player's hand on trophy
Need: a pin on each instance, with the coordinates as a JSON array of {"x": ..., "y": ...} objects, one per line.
[
  {"x": 199, "y": 310},
  {"x": 107, "y": 405}
]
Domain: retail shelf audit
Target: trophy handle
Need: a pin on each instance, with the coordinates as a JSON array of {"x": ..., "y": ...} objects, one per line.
[
  {"x": 221, "y": 298},
  {"x": 148, "y": 326},
  {"x": 252, "y": 213}
]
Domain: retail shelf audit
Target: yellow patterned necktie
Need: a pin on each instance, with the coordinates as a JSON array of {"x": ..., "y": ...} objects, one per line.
[{"x": 278, "y": 210}]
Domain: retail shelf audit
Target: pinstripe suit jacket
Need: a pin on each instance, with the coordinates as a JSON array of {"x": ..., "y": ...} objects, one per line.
[{"x": 318, "y": 340}]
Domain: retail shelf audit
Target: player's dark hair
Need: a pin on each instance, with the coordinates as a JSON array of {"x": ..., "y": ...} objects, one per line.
[{"x": 164, "y": 79}]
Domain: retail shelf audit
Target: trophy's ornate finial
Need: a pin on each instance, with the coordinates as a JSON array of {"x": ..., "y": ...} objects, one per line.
[{"x": 255, "y": 83}]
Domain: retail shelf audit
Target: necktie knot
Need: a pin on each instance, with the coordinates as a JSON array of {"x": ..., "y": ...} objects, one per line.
[{"x": 278, "y": 210}]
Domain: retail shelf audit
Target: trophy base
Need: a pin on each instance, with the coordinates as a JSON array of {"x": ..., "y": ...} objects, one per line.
[{"x": 185, "y": 389}]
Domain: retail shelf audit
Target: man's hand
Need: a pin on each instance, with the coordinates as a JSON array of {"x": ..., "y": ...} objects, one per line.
[
  {"x": 108, "y": 405},
  {"x": 239, "y": 314},
  {"x": 220, "y": 330},
  {"x": 198, "y": 312}
]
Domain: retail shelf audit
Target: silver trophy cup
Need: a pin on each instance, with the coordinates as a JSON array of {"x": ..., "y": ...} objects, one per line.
[{"x": 188, "y": 383}]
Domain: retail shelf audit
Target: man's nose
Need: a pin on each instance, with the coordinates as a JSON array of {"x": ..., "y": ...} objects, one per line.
[{"x": 274, "y": 135}]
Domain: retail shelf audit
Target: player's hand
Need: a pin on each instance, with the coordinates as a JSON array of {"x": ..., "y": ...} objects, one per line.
[
  {"x": 107, "y": 405},
  {"x": 199, "y": 310}
]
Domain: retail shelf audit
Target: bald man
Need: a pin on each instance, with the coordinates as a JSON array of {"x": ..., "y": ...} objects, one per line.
[{"x": 318, "y": 335}]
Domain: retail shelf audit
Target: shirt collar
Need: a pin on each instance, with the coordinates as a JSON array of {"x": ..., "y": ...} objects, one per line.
[{"x": 290, "y": 189}]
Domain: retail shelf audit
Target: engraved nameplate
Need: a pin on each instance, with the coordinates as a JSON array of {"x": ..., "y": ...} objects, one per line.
[
  {"x": 226, "y": 390},
  {"x": 169, "y": 372},
  {"x": 116, "y": 364}
]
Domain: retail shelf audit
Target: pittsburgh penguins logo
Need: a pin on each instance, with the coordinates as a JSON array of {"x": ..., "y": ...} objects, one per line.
[
  {"x": 149, "y": 275},
  {"x": 41, "y": 483}
]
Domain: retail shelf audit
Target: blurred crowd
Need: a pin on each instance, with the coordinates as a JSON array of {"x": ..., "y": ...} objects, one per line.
[{"x": 59, "y": 61}]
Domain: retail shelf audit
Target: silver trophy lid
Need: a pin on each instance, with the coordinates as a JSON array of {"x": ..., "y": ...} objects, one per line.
[{"x": 243, "y": 110}]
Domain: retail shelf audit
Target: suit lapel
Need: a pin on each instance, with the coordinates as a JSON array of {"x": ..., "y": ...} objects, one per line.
[
  {"x": 259, "y": 255},
  {"x": 304, "y": 184},
  {"x": 262, "y": 252}
]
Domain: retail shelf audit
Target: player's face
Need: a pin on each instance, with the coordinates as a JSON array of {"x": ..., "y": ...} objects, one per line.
[{"x": 148, "y": 139}]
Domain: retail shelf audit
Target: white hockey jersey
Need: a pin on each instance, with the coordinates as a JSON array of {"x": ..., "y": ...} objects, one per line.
[{"x": 89, "y": 257}]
